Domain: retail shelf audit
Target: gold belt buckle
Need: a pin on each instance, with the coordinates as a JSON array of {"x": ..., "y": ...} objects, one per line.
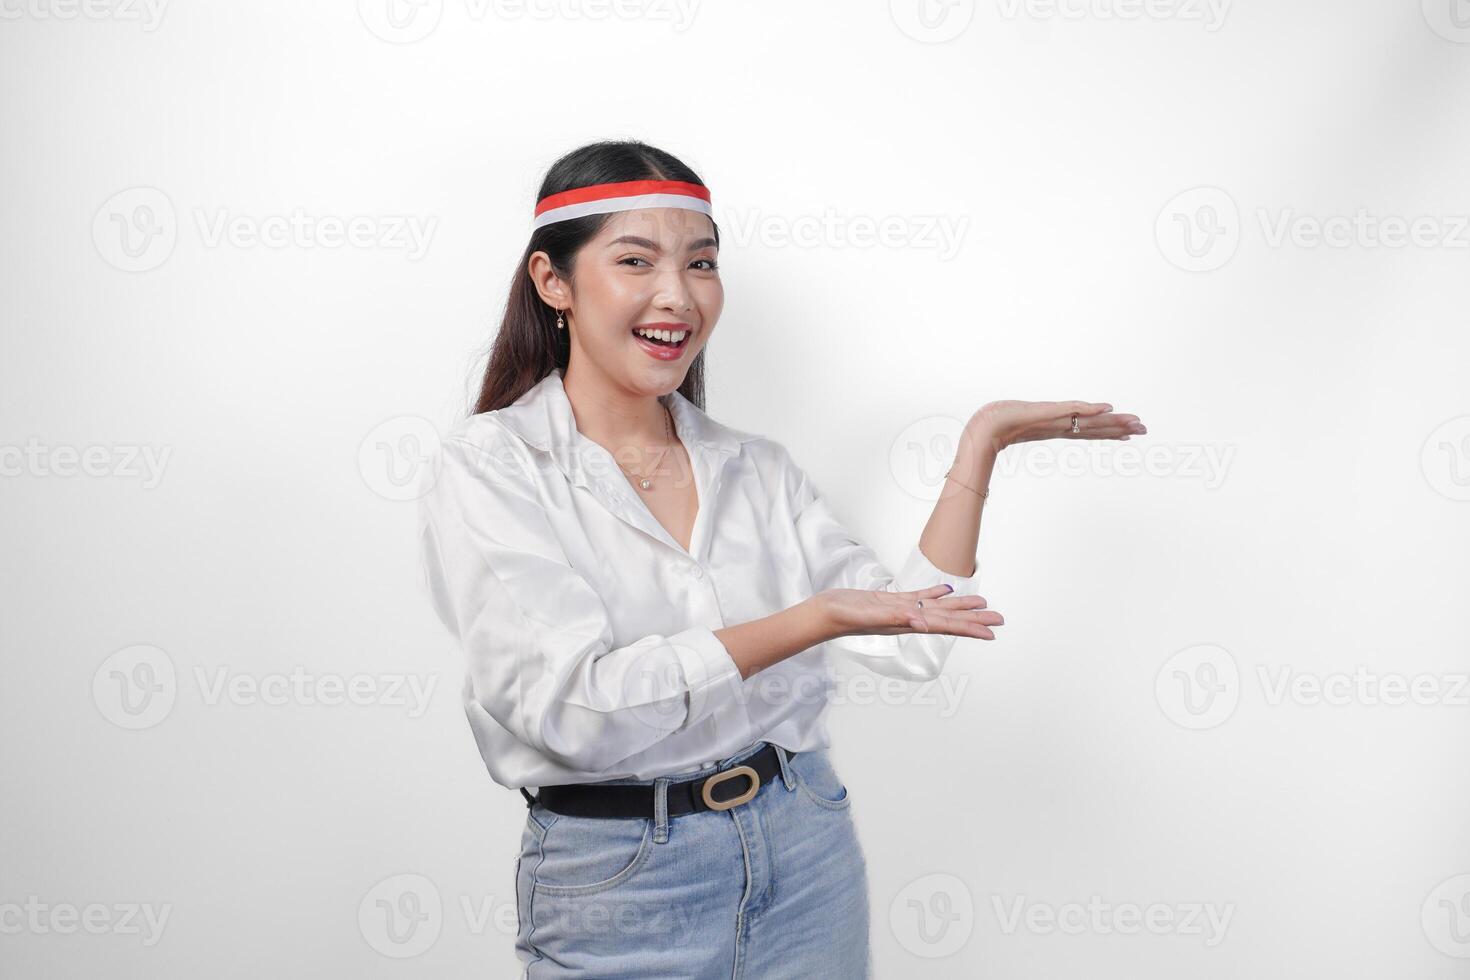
[{"x": 755, "y": 785}]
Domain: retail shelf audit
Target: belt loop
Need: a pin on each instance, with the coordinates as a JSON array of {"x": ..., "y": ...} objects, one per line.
[
  {"x": 785, "y": 768},
  {"x": 530, "y": 800},
  {"x": 661, "y": 810}
]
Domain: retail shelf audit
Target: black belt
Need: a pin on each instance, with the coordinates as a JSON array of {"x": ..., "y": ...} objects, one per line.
[{"x": 720, "y": 790}]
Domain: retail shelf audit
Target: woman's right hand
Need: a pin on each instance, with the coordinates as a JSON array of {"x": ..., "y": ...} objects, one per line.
[{"x": 851, "y": 612}]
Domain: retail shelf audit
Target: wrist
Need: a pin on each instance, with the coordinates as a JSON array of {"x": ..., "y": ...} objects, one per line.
[
  {"x": 812, "y": 620},
  {"x": 975, "y": 459},
  {"x": 980, "y": 439}
]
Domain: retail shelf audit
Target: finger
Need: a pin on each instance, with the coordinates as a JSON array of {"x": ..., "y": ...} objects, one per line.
[
  {"x": 1086, "y": 408},
  {"x": 1112, "y": 431},
  {"x": 1102, "y": 427},
  {"x": 1113, "y": 418},
  {"x": 956, "y": 602},
  {"x": 1068, "y": 406},
  {"x": 948, "y": 602},
  {"x": 933, "y": 591},
  {"x": 941, "y": 594},
  {"x": 978, "y": 631},
  {"x": 971, "y": 622},
  {"x": 1044, "y": 413},
  {"x": 926, "y": 602},
  {"x": 981, "y": 617},
  {"x": 1118, "y": 421}
]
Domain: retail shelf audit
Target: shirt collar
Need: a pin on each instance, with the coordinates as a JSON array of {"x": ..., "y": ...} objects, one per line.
[{"x": 543, "y": 419}]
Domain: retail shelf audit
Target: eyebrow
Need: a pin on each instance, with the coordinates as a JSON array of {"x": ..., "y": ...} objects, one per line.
[{"x": 653, "y": 246}]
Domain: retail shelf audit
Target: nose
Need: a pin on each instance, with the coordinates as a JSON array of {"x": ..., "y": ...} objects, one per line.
[{"x": 673, "y": 293}]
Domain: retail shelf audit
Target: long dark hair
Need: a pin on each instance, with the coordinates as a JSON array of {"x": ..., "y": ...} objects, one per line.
[{"x": 529, "y": 345}]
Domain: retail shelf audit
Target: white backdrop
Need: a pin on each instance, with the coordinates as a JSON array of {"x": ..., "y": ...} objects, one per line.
[{"x": 251, "y": 255}]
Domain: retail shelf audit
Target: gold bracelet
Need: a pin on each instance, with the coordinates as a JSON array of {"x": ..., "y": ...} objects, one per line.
[{"x": 983, "y": 493}]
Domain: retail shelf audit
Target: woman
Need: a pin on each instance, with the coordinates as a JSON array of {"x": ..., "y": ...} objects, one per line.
[{"x": 646, "y": 598}]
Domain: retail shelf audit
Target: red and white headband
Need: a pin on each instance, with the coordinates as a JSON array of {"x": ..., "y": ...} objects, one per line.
[{"x": 625, "y": 195}]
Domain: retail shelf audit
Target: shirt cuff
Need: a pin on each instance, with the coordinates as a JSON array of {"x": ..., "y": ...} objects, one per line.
[
  {"x": 710, "y": 673},
  {"x": 918, "y": 572}
]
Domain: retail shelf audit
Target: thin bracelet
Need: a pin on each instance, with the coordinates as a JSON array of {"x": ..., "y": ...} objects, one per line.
[{"x": 984, "y": 494}]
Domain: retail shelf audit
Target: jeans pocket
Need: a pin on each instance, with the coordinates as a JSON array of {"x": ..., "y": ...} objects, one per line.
[
  {"x": 819, "y": 782},
  {"x": 538, "y": 818},
  {"x": 586, "y": 855}
]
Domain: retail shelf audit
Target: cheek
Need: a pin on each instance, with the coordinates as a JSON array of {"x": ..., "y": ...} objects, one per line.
[
  {"x": 617, "y": 306},
  {"x": 609, "y": 291},
  {"x": 710, "y": 297}
]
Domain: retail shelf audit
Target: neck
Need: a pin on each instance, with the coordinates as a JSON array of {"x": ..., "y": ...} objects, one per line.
[{"x": 615, "y": 418}]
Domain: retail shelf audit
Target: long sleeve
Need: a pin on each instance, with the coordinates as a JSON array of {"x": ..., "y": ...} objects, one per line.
[
  {"x": 838, "y": 560},
  {"x": 537, "y": 636}
]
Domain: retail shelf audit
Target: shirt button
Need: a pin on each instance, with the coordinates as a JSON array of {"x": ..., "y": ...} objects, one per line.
[{"x": 698, "y": 572}]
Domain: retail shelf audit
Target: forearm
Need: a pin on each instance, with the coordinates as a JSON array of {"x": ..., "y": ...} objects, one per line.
[
  {"x": 952, "y": 535},
  {"x": 760, "y": 643}
]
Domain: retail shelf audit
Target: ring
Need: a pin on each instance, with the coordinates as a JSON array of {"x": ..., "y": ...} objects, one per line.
[
  {"x": 1075, "y": 426},
  {"x": 921, "y": 603}
]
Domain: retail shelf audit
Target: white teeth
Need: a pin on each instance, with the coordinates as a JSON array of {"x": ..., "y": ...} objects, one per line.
[{"x": 670, "y": 336}]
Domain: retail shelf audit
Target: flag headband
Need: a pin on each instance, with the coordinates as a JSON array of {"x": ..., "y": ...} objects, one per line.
[{"x": 626, "y": 195}]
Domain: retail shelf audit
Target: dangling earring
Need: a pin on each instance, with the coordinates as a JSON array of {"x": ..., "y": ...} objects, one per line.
[{"x": 560, "y": 323}]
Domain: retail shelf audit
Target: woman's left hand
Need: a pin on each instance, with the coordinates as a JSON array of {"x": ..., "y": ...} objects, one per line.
[{"x": 1005, "y": 423}]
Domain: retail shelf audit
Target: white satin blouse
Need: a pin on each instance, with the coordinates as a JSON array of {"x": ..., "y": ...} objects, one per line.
[{"x": 588, "y": 631}]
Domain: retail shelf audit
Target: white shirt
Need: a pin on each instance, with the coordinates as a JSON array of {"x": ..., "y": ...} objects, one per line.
[{"x": 588, "y": 631}]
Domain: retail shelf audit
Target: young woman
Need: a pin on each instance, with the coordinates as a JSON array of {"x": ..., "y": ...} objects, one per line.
[{"x": 646, "y": 598}]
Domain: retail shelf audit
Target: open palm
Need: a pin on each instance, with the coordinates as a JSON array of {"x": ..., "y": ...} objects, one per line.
[
  {"x": 931, "y": 610},
  {"x": 1005, "y": 423}
]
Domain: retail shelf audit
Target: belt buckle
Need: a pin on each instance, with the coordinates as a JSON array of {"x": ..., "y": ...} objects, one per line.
[{"x": 755, "y": 785}]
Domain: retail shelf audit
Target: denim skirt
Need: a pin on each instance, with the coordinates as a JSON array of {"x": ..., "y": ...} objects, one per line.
[{"x": 773, "y": 888}]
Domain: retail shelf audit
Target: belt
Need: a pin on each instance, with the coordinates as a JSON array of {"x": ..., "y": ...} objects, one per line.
[{"x": 720, "y": 790}]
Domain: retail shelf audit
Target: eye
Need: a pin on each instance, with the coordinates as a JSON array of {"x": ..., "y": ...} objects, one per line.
[
  {"x": 711, "y": 264},
  {"x": 632, "y": 258}
]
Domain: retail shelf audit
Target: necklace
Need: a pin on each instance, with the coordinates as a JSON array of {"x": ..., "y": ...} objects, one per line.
[{"x": 643, "y": 481}]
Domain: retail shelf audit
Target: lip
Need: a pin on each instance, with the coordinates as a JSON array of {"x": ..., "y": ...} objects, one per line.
[{"x": 664, "y": 353}]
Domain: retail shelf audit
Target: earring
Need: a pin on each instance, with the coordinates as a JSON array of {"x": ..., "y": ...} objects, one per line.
[{"x": 560, "y": 323}]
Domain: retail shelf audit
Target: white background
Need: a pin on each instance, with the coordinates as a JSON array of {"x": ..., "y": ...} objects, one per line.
[{"x": 1085, "y": 762}]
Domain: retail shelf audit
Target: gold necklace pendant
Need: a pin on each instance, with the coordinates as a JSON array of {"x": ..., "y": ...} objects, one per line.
[{"x": 643, "y": 481}]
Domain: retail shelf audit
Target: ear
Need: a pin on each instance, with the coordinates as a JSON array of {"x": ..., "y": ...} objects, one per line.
[{"x": 553, "y": 289}]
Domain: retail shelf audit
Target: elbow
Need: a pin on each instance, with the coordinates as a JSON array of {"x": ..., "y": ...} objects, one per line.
[
  {"x": 579, "y": 742},
  {"x": 916, "y": 657},
  {"x": 922, "y": 656},
  {"x": 585, "y": 757},
  {"x": 590, "y": 741},
  {"x": 922, "y": 671}
]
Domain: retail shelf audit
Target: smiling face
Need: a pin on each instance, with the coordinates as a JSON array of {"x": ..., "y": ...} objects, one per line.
[{"x": 650, "y": 271}]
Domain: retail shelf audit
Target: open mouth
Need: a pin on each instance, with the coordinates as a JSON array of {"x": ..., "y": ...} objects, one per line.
[{"x": 664, "y": 342}]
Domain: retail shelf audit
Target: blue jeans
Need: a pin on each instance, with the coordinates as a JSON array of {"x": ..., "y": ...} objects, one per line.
[{"x": 770, "y": 889}]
